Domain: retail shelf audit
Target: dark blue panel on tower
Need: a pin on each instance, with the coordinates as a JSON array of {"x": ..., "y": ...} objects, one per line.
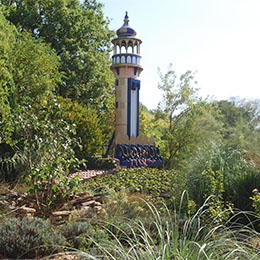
[{"x": 136, "y": 70}]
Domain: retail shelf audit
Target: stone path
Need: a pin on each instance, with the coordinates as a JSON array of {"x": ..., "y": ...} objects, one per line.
[{"x": 87, "y": 174}]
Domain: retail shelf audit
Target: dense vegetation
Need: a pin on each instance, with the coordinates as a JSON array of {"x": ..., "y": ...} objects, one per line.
[{"x": 56, "y": 114}]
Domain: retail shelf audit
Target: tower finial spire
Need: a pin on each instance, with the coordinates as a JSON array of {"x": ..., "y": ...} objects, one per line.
[
  {"x": 126, "y": 20},
  {"x": 126, "y": 30}
]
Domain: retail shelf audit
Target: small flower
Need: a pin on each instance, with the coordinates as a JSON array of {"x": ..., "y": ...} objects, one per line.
[{"x": 255, "y": 190}]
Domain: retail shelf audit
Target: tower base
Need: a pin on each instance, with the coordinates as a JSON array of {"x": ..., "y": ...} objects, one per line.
[{"x": 138, "y": 155}]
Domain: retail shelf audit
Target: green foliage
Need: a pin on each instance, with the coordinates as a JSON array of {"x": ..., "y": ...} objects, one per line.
[
  {"x": 35, "y": 71},
  {"x": 156, "y": 183},
  {"x": 34, "y": 137},
  {"x": 82, "y": 235},
  {"x": 212, "y": 183},
  {"x": 243, "y": 185},
  {"x": 32, "y": 76},
  {"x": 87, "y": 125},
  {"x": 256, "y": 201},
  {"x": 29, "y": 69},
  {"x": 189, "y": 122},
  {"x": 238, "y": 174},
  {"x": 80, "y": 36},
  {"x": 28, "y": 237},
  {"x": 46, "y": 142},
  {"x": 174, "y": 237},
  {"x": 177, "y": 99},
  {"x": 152, "y": 125},
  {"x": 102, "y": 163},
  {"x": 12, "y": 163},
  {"x": 7, "y": 37},
  {"x": 51, "y": 144}
]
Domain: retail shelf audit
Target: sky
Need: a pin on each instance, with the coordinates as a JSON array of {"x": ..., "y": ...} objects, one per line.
[{"x": 219, "y": 40}]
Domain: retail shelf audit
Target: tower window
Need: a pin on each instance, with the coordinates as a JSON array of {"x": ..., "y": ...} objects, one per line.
[
  {"x": 123, "y": 49},
  {"x": 117, "y": 49}
]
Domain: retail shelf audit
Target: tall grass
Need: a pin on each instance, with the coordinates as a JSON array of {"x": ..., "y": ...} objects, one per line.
[{"x": 176, "y": 237}]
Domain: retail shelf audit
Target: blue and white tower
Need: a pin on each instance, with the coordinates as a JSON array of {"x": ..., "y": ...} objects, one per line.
[
  {"x": 126, "y": 68},
  {"x": 131, "y": 149}
]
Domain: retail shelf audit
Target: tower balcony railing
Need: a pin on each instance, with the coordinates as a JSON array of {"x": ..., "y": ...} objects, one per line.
[{"x": 126, "y": 58}]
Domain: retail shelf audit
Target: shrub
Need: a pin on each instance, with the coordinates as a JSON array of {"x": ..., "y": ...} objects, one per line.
[
  {"x": 88, "y": 126},
  {"x": 101, "y": 163},
  {"x": 28, "y": 237},
  {"x": 82, "y": 235},
  {"x": 11, "y": 162},
  {"x": 256, "y": 200}
]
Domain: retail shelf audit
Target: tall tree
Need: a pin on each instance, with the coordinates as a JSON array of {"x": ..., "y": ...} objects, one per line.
[
  {"x": 188, "y": 118},
  {"x": 7, "y": 37},
  {"x": 177, "y": 99},
  {"x": 79, "y": 33},
  {"x": 241, "y": 126}
]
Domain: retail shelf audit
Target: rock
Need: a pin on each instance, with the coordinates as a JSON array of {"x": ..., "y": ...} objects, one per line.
[
  {"x": 61, "y": 213},
  {"x": 97, "y": 203},
  {"x": 81, "y": 200},
  {"x": 89, "y": 203}
]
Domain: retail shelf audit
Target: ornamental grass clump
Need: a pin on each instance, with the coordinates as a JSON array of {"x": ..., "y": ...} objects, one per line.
[
  {"x": 29, "y": 238},
  {"x": 176, "y": 237}
]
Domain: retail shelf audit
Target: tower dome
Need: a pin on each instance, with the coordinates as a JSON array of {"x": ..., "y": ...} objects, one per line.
[{"x": 126, "y": 30}]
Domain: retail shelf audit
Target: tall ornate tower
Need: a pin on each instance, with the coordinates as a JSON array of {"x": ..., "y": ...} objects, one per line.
[
  {"x": 126, "y": 68},
  {"x": 132, "y": 149}
]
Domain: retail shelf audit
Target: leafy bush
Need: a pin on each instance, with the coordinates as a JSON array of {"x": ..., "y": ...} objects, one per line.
[
  {"x": 256, "y": 200},
  {"x": 46, "y": 141},
  {"x": 101, "y": 163},
  {"x": 11, "y": 162},
  {"x": 28, "y": 237},
  {"x": 88, "y": 126}
]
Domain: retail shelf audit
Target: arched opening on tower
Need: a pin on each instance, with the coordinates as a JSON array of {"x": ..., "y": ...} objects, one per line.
[
  {"x": 129, "y": 59},
  {"x": 123, "y": 49},
  {"x": 131, "y": 47},
  {"x": 118, "y": 49}
]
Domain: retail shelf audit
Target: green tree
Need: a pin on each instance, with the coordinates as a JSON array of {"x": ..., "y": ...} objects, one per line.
[
  {"x": 35, "y": 71},
  {"x": 188, "y": 118},
  {"x": 88, "y": 126},
  {"x": 152, "y": 125},
  {"x": 29, "y": 71},
  {"x": 80, "y": 36},
  {"x": 7, "y": 37}
]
